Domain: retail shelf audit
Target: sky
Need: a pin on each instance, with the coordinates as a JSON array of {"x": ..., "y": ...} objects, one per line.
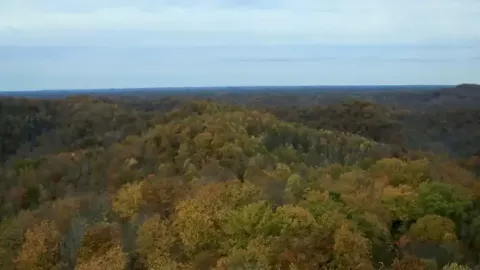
[{"x": 57, "y": 44}]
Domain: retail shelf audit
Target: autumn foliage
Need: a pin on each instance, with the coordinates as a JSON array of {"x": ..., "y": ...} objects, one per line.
[{"x": 207, "y": 185}]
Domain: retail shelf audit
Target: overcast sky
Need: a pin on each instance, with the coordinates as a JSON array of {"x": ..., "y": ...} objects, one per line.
[{"x": 53, "y": 44}]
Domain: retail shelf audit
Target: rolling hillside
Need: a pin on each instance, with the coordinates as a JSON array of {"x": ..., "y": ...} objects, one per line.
[{"x": 183, "y": 182}]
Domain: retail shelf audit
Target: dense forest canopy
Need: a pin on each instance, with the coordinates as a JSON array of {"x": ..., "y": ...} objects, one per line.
[{"x": 241, "y": 180}]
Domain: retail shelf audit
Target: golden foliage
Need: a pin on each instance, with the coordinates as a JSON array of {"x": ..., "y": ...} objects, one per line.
[
  {"x": 128, "y": 200},
  {"x": 160, "y": 195},
  {"x": 295, "y": 219},
  {"x": 154, "y": 241},
  {"x": 400, "y": 201},
  {"x": 40, "y": 248},
  {"x": 232, "y": 189},
  {"x": 98, "y": 241},
  {"x": 433, "y": 228},
  {"x": 113, "y": 259},
  {"x": 258, "y": 254},
  {"x": 198, "y": 219},
  {"x": 409, "y": 263},
  {"x": 352, "y": 250},
  {"x": 12, "y": 237}
]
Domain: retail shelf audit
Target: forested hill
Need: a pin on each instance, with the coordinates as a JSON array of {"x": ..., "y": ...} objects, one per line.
[{"x": 241, "y": 181}]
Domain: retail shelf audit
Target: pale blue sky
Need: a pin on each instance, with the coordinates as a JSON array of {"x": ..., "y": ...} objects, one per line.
[{"x": 52, "y": 44}]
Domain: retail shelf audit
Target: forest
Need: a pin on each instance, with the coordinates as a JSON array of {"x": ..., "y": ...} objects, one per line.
[{"x": 296, "y": 179}]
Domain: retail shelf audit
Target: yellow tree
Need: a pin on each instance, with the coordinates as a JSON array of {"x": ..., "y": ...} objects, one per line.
[
  {"x": 258, "y": 254},
  {"x": 409, "y": 263},
  {"x": 155, "y": 241},
  {"x": 101, "y": 246},
  {"x": 392, "y": 168},
  {"x": 197, "y": 219},
  {"x": 12, "y": 232},
  {"x": 351, "y": 250},
  {"x": 417, "y": 172},
  {"x": 128, "y": 200},
  {"x": 40, "y": 249},
  {"x": 112, "y": 259},
  {"x": 160, "y": 195},
  {"x": 301, "y": 240},
  {"x": 401, "y": 202}
]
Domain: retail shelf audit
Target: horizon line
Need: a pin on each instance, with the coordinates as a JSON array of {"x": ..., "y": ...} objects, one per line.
[{"x": 234, "y": 86}]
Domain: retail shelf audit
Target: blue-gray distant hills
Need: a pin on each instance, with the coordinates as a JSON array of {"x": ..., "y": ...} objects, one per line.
[
  {"x": 168, "y": 90},
  {"x": 417, "y": 97}
]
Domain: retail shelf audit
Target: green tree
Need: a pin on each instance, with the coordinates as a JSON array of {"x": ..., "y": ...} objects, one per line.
[
  {"x": 444, "y": 199},
  {"x": 295, "y": 188},
  {"x": 251, "y": 221},
  {"x": 455, "y": 266},
  {"x": 433, "y": 228}
]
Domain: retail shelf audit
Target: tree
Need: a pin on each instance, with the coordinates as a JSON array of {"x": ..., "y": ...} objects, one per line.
[
  {"x": 325, "y": 210},
  {"x": 301, "y": 240},
  {"x": 352, "y": 250},
  {"x": 417, "y": 172},
  {"x": 455, "y": 266},
  {"x": 260, "y": 253},
  {"x": 295, "y": 188},
  {"x": 198, "y": 219},
  {"x": 401, "y": 202},
  {"x": 474, "y": 235},
  {"x": 433, "y": 228},
  {"x": 12, "y": 232},
  {"x": 409, "y": 263},
  {"x": 392, "y": 168},
  {"x": 253, "y": 220},
  {"x": 155, "y": 243},
  {"x": 113, "y": 259},
  {"x": 40, "y": 249},
  {"x": 444, "y": 199},
  {"x": 160, "y": 195},
  {"x": 128, "y": 200},
  {"x": 101, "y": 246},
  {"x": 434, "y": 237}
]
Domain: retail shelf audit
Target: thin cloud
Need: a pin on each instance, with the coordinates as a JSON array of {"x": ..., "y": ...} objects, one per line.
[
  {"x": 425, "y": 60},
  {"x": 281, "y": 60}
]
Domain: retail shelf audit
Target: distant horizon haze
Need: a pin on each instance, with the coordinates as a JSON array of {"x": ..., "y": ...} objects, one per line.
[
  {"x": 33, "y": 68},
  {"x": 242, "y": 88},
  {"x": 54, "y": 44}
]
